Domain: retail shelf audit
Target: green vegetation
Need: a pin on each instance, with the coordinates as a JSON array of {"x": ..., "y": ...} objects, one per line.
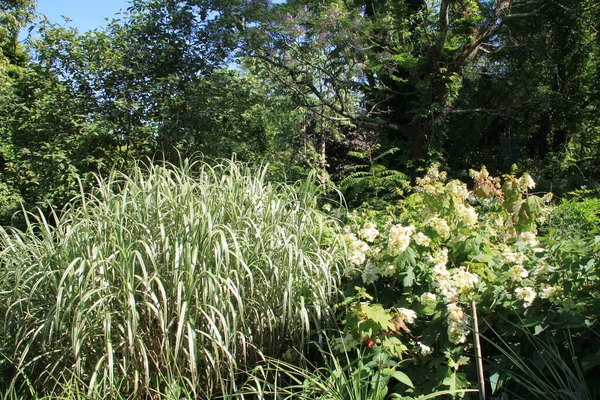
[
  {"x": 337, "y": 235},
  {"x": 165, "y": 277}
]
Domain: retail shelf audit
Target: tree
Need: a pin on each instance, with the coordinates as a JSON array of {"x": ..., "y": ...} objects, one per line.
[
  {"x": 14, "y": 15},
  {"x": 406, "y": 61},
  {"x": 535, "y": 97}
]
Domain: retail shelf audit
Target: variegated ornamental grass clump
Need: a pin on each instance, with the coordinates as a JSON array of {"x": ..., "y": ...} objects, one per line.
[
  {"x": 418, "y": 265},
  {"x": 166, "y": 277}
]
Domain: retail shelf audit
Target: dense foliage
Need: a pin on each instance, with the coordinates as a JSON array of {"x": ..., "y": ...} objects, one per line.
[
  {"x": 199, "y": 281},
  {"x": 462, "y": 83},
  {"x": 418, "y": 266}
]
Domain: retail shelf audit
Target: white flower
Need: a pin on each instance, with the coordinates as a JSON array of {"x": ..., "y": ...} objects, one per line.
[
  {"x": 399, "y": 239},
  {"x": 425, "y": 350},
  {"x": 464, "y": 280},
  {"x": 458, "y": 324},
  {"x": 526, "y": 182},
  {"x": 357, "y": 257},
  {"x": 527, "y": 294},
  {"x": 432, "y": 179},
  {"x": 447, "y": 290},
  {"x": 540, "y": 268},
  {"x": 457, "y": 332},
  {"x": 327, "y": 207},
  {"x": 483, "y": 174},
  {"x": 357, "y": 249},
  {"x": 422, "y": 240},
  {"x": 369, "y": 274},
  {"x": 440, "y": 272},
  {"x": 529, "y": 239},
  {"x": 459, "y": 189},
  {"x": 455, "y": 312},
  {"x": 369, "y": 232},
  {"x": 409, "y": 316},
  {"x": 439, "y": 258},
  {"x": 440, "y": 226},
  {"x": 550, "y": 292},
  {"x": 510, "y": 257},
  {"x": 466, "y": 214},
  {"x": 517, "y": 273},
  {"x": 349, "y": 236}
]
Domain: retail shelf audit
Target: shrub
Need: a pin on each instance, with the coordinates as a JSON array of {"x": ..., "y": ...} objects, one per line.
[
  {"x": 576, "y": 217},
  {"x": 165, "y": 277},
  {"x": 416, "y": 267}
]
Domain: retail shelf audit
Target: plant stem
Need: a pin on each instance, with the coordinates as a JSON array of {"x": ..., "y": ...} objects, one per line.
[{"x": 478, "y": 351}]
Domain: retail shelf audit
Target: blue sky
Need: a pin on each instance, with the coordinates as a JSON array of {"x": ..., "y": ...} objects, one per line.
[{"x": 84, "y": 14}]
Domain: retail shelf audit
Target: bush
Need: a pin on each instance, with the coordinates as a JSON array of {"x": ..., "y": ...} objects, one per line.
[
  {"x": 415, "y": 269},
  {"x": 161, "y": 279},
  {"x": 578, "y": 216}
]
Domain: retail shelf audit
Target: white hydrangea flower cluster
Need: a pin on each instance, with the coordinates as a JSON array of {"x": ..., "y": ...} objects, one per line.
[
  {"x": 399, "y": 238},
  {"x": 425, "y": 350},
  {"x": 517, "y": 273},
  {"x": 510, "y": 257},
  {"x": 526, "y": 182},
  {"x": 551, "y": 293},
  {"x": 422, "y": 239},
  {"x": 458, "y": 323},
  {"x": 529, "y": 239},
  {"x": 458, "y": 189},
  {"x": 440, "y": 226},
  {"x": 409, "y": 316},
  {"x": 540, "y": 268},
  {"x": 428, "y": 298},
  {"x": 369, "y": 232},
  {"x": 357, "y": 249},
  {"x": 477, "y": 175},
  {"x": 464, "y": 281},
  {"x": 451, "y": 286},
  {"x": 466, "y": 214},
  {"x": 429, "y": 183},
  {"x": 345, "y": 343},
  {"x": 526, "y": 294},
  {"x": 369, "y": 274},
  {"x": 439, "y": 258}
]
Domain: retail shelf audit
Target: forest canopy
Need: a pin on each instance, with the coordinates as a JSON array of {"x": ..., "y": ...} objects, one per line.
[{"x": 302, "y": 84}]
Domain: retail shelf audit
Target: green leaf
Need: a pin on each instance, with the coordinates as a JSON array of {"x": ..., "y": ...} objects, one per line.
[
  {"x": 376, "y": 314},
  {"x": 456, "y": 380},
  {"x": 403, "y": 378}
]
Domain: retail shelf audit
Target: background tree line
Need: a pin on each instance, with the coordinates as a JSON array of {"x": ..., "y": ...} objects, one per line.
[{"x": 301, "y": 84}]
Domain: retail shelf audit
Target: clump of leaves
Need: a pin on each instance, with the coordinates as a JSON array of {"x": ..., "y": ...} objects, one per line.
[
  {"x": 372, "y": 180},
  {"x": 552, "y": 371},
  {"x": 579, "y": 216},
  {"x": 345, "y": 375}
]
